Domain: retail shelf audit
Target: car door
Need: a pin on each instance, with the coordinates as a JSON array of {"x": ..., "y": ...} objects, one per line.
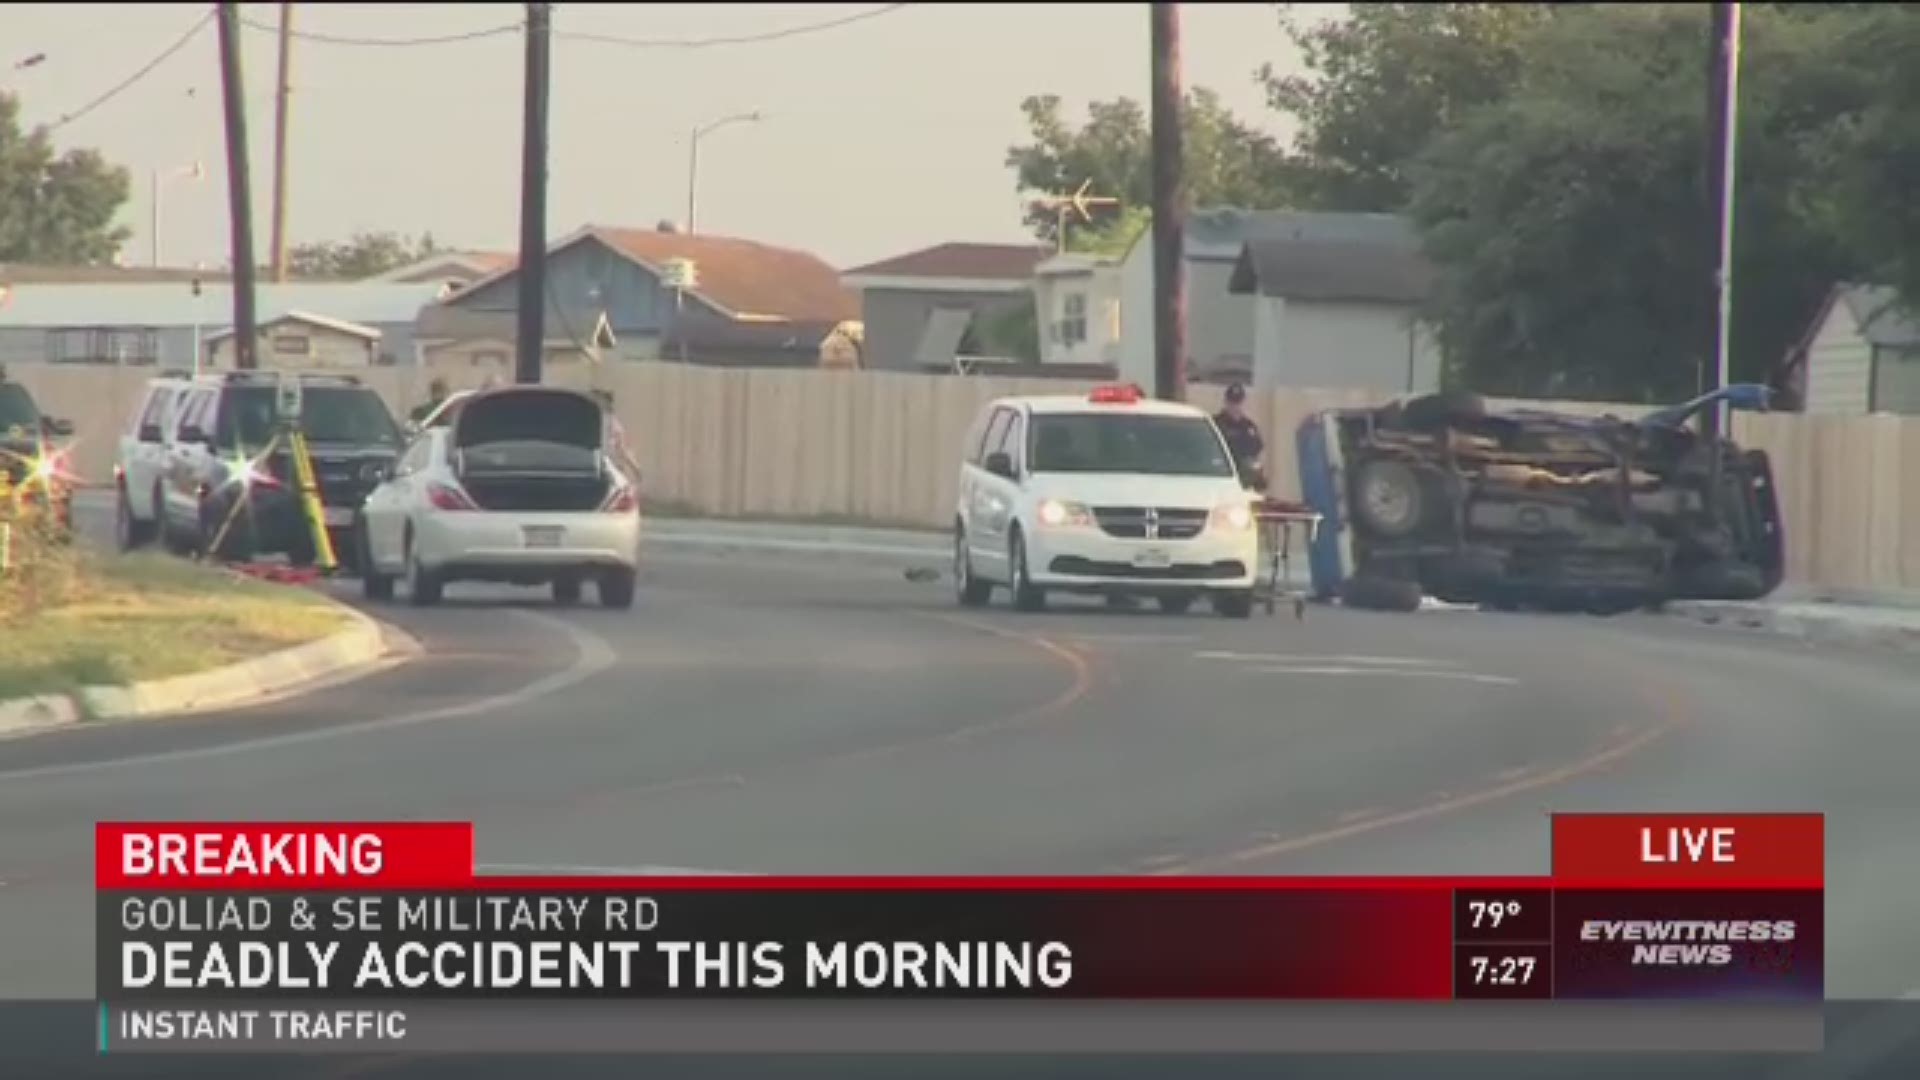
[
  {"x": 390, "y": 505},
  {"x": 999, "y": 503},
  {"x": 976, "y": 491},
  {"x": 189, "y": 460},
  {"x": 137, "y": 464}
]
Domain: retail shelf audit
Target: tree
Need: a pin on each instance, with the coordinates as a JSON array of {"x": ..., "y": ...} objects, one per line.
[
  {"x": 1873, "y": 155},
  {"x": 1228, "y": 162},
  {"x": 55, "y": 209},
  {"x": 367, "y": 254},
  {"x": 1570, "y": 223},
  {"x": 1381, "y": 83}
]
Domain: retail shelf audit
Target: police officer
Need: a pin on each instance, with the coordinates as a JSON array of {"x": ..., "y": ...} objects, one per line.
[
  {"x": 1243, "y": 437},
  {"x": 436, "y": 393}
]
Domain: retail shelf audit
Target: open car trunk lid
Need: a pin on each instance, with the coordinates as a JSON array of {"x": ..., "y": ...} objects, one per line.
[{"x": 532, "y": 449}]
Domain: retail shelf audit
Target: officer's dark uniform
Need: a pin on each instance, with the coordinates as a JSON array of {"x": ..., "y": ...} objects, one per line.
[{"x": 1243, "y": 438}]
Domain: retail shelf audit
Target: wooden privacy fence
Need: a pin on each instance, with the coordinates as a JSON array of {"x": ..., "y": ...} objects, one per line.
[{"x": 884, "y": 448}]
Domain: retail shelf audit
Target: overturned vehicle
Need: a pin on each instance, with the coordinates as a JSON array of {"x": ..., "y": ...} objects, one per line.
[{"x": 1438, "y": 496}]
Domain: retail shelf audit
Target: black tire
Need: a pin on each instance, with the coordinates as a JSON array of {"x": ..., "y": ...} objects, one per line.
[
  {"x": 1381, "y": 594},
  {"x": 374, "y": 585},
  {"x": 1449, "y": 408},
  {"x": 616, "y": 589},
  {"x": 970, "y": 591},
  {"x": 424, "y": 587},
  {"x": 238, "y": 545},
  {"x": 1234, "y": 605},
  {"x": 301, "y": 551},
  {"x": 129, "y": 533},
  {"x": 1176, "y": 605},
  {"x": 346, "y": 550},
  {"x": 566, "y": 591},
  {"x": 1389, "y": 498},
  {"x": 1026, "y": 595}
]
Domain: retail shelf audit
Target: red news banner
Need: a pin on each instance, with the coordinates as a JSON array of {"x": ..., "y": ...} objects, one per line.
[{"x": 1688, "y": 906}]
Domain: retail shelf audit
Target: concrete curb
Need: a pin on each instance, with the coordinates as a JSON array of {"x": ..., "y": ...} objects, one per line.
[
  {"x": 1883, "y": 629},
  {"x": 248, "y": 681}
]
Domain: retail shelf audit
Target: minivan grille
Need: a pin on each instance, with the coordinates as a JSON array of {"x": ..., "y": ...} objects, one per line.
[{"x": 1150, "y": 522}]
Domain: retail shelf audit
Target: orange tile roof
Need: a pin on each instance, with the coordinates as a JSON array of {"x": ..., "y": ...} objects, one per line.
[{"x": 745, "y": 277}]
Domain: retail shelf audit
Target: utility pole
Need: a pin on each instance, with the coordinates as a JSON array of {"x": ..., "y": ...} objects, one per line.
[
  {"x": 1169, "y": 211},
  {"x": 533, "y": 198},
  {"x": 1723, "y": 88},
  {"x": 239, "y": 191},
  {"x": 280, "y": 143}
]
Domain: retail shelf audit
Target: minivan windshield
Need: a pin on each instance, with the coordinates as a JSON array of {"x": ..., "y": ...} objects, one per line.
[
  {"x": 328, "y": 414},
  {"x": 1128, "y": 443}
]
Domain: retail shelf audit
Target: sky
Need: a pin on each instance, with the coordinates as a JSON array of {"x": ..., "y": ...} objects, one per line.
[{"x": 878, "y": 137}]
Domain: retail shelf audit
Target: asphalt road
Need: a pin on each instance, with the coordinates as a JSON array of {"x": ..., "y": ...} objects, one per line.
[{"x": 799, "y": 716}]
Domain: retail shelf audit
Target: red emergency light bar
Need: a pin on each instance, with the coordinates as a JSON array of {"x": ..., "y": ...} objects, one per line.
[{"x": 1127, "y": 394}]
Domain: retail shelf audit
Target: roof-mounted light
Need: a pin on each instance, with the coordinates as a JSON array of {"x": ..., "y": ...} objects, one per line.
[{"x": 1127, "y": 394}]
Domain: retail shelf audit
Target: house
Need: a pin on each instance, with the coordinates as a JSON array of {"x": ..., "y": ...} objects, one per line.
[
  {"x": 456, "y": 269},
  {"x": 746, "y": 302},
  {"x": 1077, "y": 305},
  {"x": 300, "y": 339},
  {"x": 1861, "y": 354},
  {"x": 1337, "y": 302},
  {"x": 1326, "y": 299},
  {"x": 166, "y": 323},
  {"x": 446, "y": 336},
  {"x": 921, "y": 310}
]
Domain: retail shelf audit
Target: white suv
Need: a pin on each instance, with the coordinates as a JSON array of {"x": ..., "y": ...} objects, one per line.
[{"x": 1109, "y": 494}]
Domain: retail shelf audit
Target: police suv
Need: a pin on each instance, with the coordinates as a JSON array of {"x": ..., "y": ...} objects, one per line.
[{"x": 1107, "y": 494}]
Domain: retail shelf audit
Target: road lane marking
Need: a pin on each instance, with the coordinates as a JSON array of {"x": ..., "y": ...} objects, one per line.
[
  {"x": 1389, "y": 673},
  {"x": 1591, "y": 763},
  {"x": 1300, "y": 658},
  {"x": 592, "y": 656},
  {"x": 1078, "y": 688}
]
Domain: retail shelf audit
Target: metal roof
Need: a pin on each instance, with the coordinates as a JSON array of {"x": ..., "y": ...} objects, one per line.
[{"x": 170, "y": 304}]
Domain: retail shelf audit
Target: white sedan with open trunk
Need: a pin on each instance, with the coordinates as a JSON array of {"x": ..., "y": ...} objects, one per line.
[{"x": 521, "y": 485}]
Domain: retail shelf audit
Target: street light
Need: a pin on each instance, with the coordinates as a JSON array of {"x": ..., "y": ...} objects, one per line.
[
  {"x": 195, "y": 171},
  {"x": 693, "y": 154}
]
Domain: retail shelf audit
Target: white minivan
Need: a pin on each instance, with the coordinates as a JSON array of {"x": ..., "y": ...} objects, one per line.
[{"x": 1107, "y": 494}]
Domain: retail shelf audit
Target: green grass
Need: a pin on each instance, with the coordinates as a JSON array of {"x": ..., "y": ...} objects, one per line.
[{"x": 127, "y": 619}]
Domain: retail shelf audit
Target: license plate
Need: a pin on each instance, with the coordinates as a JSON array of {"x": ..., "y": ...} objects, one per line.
[
  {"x": 338, "y": 516},
  {"x": 542, "y": 536},
  {"x": 1153, "y": 557}
]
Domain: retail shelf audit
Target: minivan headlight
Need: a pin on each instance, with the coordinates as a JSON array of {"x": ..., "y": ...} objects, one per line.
[
  {"x": 1233, "y": 517},
  {"x": 1055, "y": 513}
]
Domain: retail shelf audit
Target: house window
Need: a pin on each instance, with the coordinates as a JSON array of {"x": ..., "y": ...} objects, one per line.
[
  {"x": 1072, "y": 328},
  {"x": 293, "y": 345}
]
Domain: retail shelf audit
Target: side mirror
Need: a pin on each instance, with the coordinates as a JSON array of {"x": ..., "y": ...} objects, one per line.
[
  {"x": 58, "y": 427},
  {"x": 999, "y": 464}
]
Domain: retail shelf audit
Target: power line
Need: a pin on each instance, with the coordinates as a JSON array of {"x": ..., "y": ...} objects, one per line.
[
  {"x": 389, "y": 43},
  {"x": 128, "y": 83},
  {"x": 740, "y": 39}
]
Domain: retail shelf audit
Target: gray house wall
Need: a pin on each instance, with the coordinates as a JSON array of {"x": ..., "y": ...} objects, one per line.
[
  {"x": 172, "y": 346},
  {"x": 583, "y": 281},
  {"x": 895, "y": 319}
]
